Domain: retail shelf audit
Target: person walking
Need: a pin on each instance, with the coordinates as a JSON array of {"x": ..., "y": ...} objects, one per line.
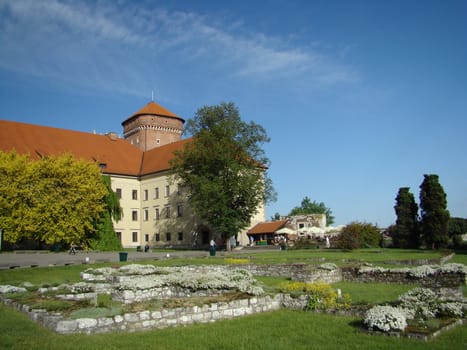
[
  {"x": 212, "y": 248},
  {"x": 72, "y": 249}
]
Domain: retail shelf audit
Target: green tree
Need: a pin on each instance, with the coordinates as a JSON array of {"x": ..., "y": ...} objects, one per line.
[
  {"x": 104, "y": 238},
  {"x": 406, "y": 233},
  {"x": 359, "y": 235},
  {"x": 224, "y": 168},
  {"x": 434, "y": 213},
  {"x": 456, "y": 228},
  {"x": 276, "y": 217},
  {"x": 16, "y": 196},
  {"x": 53, "y": 199},
  {"x": 309, "y": 207}
]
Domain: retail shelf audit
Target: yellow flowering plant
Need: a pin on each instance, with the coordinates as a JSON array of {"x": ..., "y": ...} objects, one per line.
[{"x": 320, "y": 295}]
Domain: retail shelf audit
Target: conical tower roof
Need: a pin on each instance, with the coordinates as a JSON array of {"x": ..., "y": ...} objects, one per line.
[{"x": 153, "y": 108}]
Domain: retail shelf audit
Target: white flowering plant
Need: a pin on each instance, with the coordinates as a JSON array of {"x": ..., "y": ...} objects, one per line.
[
  {"x": 328, "y": 266},
  {"x": 423, "y": 302},
  {"x": 417, "y": 305},
  {"x": 418, "y": 271},
  {"x": 452, "y": 309},
  {"x": 453, "y": 267},
  {"x": 423, "y": 271},
  {"x": 385, "y": 318},
  {"x": 238, "y": 279}
]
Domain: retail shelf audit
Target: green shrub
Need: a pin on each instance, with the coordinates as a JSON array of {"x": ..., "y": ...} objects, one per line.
[
  {"x": 359, "y": 235},
  {"x": 305, "y": 243}
]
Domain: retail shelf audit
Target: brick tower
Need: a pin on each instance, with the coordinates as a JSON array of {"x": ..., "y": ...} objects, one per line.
[{"x": 152, "y": 126}]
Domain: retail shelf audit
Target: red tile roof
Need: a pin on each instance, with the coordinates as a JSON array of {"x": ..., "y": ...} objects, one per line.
[
  {"x": 153, "y": 108},
  {"x": 267, "y": 227},
  {"x": 157, "y": 159},
  {"x": 119, "y": 156}
]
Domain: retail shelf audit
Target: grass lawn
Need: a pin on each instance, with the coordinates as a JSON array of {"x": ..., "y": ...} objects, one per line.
[
  {"x": 377, "y": 256},
  {"x": 284, "y": 329}
]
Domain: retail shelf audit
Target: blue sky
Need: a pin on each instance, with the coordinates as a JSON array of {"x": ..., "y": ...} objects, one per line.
[{"x": 359, "y": 98}]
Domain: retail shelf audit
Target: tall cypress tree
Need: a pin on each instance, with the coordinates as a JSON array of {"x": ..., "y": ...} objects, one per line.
[
  {"x": 434, "y": 213},
  {"x": 406, "y": 231}
]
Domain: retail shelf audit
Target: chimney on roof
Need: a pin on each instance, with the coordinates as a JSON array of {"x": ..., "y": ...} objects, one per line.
[{"x": 112, "y": 135}]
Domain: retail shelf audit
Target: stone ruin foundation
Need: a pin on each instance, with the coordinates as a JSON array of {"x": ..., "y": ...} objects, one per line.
[{"x": 135, "y": 283}]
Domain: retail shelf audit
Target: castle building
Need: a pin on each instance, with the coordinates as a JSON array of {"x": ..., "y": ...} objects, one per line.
[{"x": 155, "y": 208}]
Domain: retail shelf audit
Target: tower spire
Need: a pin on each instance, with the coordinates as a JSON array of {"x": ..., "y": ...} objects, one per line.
[{"x": 152, "y": 95}]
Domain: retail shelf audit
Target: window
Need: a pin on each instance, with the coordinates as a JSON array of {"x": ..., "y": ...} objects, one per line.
[
  {"x": 134, "y": 194},
  {"x": 135, "y": 236},
  {"x": 146, "y": 238},
  {"x": 158, "y": 141},
  {"x": 167, "y": 190},
  {"x": 167, "y": 212},
  {"x": 145, "y": 214},
  {"x": 157, "y": 237},
  {"x": 119, "y": 193},
  {"x": 168, "y": 236},
  {"x": 156, "y": 193},
  {"x": 119, "y": 236},
  {"x": 179, "y": 189},
  {"x": 156, "y": 214},
  {"x": 145, "y": 195},
  {"x": 134, "y": 215},
  {"x": 180, "y": 236},
  {"x": 179, "y": 210}
]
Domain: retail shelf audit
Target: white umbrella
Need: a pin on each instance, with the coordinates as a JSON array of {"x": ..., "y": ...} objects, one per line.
[{"x": 285, "y": 231}]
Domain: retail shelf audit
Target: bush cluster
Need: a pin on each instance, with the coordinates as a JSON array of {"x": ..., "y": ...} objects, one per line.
[
  {"x": 385, "y": 318},
  {"x": 359, "y": 235},
  {"x": 321, "y": 296},
  {"x": 419, "y": 305}
]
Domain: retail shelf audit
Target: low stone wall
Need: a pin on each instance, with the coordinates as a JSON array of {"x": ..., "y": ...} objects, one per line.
[
  {"x": 146, "y": 320},
  {"x": 435, "y": 281},
  {"x": 448, "y": 285},
  {"x": 296, "y": 272},
  {"x": 131, "y": 296}
]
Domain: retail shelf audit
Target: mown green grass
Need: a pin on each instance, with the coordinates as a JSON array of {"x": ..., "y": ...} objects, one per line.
[
  {"x": 340, "y": 258},
  {"x": 311, "y": 256},
  {"x": 283, "y": 329},
  {"x": 373, "y": 293},
  {"x": 45, "y": 275}
]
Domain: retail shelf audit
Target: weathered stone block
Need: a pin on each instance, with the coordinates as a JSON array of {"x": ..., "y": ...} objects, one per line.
[
  {"x": 197, "y": 317},
  {"x": 156, "y": 315},
  {"x": 149, "y": 323},
  {"x": 66, "y": 326},
  {"x": 144, "y": 315},
  {"x": 131, "y": 317},
  {"x": 105, "y": 321},
  {"x": 86, "y": 323}
]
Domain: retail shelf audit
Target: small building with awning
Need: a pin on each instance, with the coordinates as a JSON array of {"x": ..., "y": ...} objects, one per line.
[{"x": 266, "y": 233}]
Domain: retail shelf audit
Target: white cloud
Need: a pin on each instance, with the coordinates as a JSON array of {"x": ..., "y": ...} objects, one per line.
[{"x": 118, "y": 45}]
